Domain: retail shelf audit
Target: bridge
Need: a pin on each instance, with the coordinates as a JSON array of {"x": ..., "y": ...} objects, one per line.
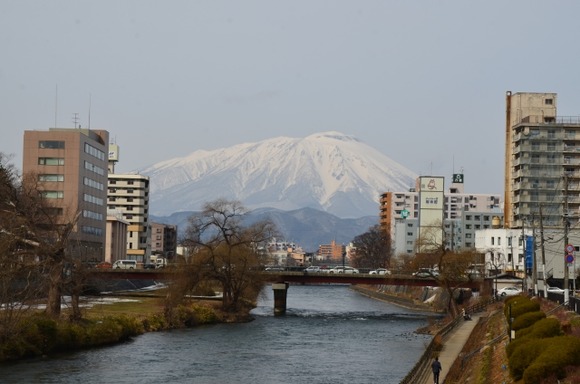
[
  {"x": 295, "y": 278},
  {"x": 281, "y": 280}
]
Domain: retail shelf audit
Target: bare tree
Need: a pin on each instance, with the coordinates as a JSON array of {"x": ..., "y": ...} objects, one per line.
[
  {"x": 452, "y": 266},
  {"x": 372, "y": 249},
  {"x": 226, "y": 250}
]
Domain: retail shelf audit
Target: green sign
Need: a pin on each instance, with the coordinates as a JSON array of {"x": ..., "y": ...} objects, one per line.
[
  {"x": 404, "y": 213},
  {"x": 458, "y": 178}
]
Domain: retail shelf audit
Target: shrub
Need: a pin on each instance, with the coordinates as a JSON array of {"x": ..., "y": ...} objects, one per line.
[
  {"x": 524, "y": 353},
  {"x": 520, "y": 305},
  {"x": 40, "y": 333},
  {"x": 528, "y": 319},
  {"x": 559, "y": 353},
  {"x": 547, "y": 327},
  {"x": 154, "y": 322}
]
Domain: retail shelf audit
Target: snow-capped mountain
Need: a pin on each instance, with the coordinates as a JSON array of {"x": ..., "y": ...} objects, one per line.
[{"x": 327, "y": 171}]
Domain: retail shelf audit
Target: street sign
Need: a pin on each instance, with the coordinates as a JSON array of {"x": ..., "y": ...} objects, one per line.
[
  {"x": 569, "y": 258},
  {"x": 569, "y": 249}
]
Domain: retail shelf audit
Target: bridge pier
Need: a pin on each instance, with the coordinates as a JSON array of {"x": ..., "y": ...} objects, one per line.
[{"x": 280, "y": 293}]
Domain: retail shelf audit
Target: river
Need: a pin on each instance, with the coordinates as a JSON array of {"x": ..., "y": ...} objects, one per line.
[{"x": 330, "y": 334}]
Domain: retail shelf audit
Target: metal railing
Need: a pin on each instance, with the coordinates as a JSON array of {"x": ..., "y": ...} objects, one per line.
[{"x": 421, "y": 368}]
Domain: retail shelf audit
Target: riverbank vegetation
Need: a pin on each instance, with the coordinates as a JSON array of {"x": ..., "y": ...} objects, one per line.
[
  {"x": 544, "y": 350},
  {"x": 106, "y": 322},
  {"x": 41, "y": 262}
]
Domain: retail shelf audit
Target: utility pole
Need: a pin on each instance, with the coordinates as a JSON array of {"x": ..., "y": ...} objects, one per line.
[
  {"x": 525, "y": 280},
  {"x": 566, "y": 224},
  {"x": 534, "y": 266},
  {"x": 543, "y": 254}
]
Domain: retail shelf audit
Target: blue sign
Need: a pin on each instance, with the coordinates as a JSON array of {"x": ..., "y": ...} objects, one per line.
[{"x": 529, "y": 252}]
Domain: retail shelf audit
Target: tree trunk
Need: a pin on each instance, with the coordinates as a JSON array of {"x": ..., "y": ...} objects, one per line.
[{"x": 54, "y": 290}]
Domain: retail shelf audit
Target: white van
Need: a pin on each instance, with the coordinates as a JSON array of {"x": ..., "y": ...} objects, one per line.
[{"x": 125, "y": 264}]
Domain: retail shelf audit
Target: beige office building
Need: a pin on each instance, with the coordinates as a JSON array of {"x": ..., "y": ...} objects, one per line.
[
  {"x": 71, "y": 168},
  {"x": 128, "y": 196}
]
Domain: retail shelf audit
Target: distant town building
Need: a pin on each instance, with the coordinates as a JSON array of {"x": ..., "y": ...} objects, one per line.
[
  {"x": 331, "y": 252},
  {"x": 460, "y": 214},
  {"x": 505, "y": 251},
  {"x": 70, "y": 165},
  {"x": 164, "y": 240}
]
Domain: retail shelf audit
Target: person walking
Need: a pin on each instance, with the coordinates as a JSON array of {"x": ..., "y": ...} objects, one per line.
[{"x": 436, "y": 367}]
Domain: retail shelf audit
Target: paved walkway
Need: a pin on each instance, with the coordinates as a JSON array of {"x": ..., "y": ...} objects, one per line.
[{"x": 452, "y": 346}]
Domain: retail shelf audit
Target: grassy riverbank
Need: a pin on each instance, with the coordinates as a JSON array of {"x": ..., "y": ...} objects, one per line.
[{"x": 106, "y": 320}]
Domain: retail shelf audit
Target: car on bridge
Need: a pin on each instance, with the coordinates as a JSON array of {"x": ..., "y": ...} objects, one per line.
[
  {"x": 343, "y": 270},
  {"x": 313, "y": 269},
  {"x": 426, "y": 272},
  {"x": 380, "y": 271},
  {"x": 275, "y": 269}
]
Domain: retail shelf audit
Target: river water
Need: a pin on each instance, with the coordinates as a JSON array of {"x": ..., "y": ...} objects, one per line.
[{"x": 330, "y": 334}]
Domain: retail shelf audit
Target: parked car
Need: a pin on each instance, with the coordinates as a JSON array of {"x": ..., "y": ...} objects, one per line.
[
  {"x": 426, "y": 272},
  {"x": 555, "y": 290},
  {"x": 313, "y": 269},
  {"x": 343, "y": 270},
  {"x": 380, "y": 271},
  {"x": 509, "y": 291}
]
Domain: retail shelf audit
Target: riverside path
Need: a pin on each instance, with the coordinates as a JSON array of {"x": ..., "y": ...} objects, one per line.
[{"x": 452, "y": 346}]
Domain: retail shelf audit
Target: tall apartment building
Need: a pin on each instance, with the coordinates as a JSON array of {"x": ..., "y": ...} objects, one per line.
[
  {"x": 128, "y": 196},
  {"x": 462, "y": 214},
  {"x": 542, "y": 161},
  {"x": 71, "y": 168}
]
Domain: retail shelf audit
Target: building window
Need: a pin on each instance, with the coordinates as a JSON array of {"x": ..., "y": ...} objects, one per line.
[
  {"x": 548, "y": 101},
  {"x": 95, "y": 152},
  {"x": 492, "y": 240},
  {"x": 50, "y": 161},
  {"x": 51, "y": 144},
  {"x": 551, "y": 134},
  {"x": 58, "y": 178},
  {"x": 53, "y": 194}
]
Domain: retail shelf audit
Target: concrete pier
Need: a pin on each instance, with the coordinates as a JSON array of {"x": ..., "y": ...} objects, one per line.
[{"x": 280, "y": 293}]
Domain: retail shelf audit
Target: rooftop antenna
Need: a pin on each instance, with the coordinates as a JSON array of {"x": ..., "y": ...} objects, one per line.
[
  {"x": 89, "y": 111},
  {"x": 76, "y": 120}
]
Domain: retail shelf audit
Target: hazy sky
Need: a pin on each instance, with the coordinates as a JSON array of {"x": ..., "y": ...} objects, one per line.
[{"x": 422, "y": 81}]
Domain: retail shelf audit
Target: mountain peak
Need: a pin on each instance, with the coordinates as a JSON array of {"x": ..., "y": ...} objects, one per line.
[{"x": 329, "y": 171}]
